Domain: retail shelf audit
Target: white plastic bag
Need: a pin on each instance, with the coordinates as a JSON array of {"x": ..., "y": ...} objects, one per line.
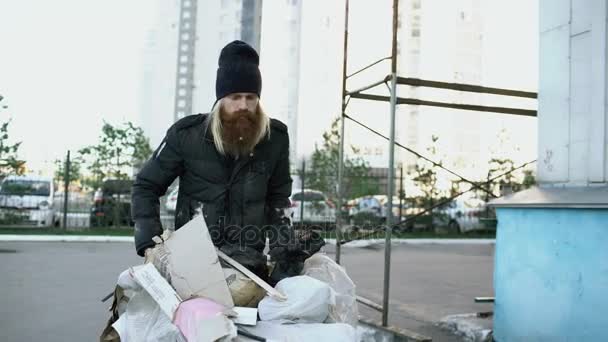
[
  {"x": 308, "y": 301},
  {"x": 145, "y": 321},
  {"x": 303, "y": 332},
  {"x": 323, "y": 268}
]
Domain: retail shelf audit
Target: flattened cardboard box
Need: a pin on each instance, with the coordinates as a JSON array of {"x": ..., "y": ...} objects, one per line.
[{"x": 194, "y": 265}]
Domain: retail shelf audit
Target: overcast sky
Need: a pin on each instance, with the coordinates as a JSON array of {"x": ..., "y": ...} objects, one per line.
[
  {"x": 68, "y": 65},
  {"x": 65, "y": 66}
]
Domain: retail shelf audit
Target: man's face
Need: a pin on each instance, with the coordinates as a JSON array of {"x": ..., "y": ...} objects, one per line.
[
  {"x": 240, "y": 122},
  {"x": 239, "y": 103}
]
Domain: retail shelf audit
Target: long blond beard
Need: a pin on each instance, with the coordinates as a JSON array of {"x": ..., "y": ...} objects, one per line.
[{"x": 238, "y": 147}]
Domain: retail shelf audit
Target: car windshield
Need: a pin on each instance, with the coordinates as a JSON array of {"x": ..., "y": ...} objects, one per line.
[
  {"x": 25, "y": 187},
  {"x": 308, "y": 196},
  {"x": 369, "y": 203}
]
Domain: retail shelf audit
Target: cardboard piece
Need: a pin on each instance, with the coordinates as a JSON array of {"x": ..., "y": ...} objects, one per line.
[
  {"x": 269, "y": 289},
  {"x": 194, "y": 266}
]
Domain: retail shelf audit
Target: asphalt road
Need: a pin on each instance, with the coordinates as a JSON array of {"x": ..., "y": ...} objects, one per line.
[{"x": 52, "y": 291}]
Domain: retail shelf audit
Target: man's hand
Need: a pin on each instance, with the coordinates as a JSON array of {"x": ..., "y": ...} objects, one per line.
[{"x": 147, "y": 255}]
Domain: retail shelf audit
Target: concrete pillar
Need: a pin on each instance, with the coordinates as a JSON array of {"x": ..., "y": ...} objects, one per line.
[
  {"x": 551, "y": 261},
  {"x": 572, "y": 93}
]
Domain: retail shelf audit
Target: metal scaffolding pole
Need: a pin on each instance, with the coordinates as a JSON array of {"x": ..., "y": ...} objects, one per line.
[
  {"x": 394, "y": 101},
  {"x": 391, "y": 169},
  {"x": 341, "y": 152},
  {"x": 417, "y": 102}
]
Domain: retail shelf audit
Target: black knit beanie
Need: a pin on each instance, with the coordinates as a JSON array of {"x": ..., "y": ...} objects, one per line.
[{"x": 238, "y": 70}]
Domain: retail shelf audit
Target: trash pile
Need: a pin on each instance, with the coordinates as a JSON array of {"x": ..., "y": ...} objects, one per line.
[{"x": 187, "y": 290}]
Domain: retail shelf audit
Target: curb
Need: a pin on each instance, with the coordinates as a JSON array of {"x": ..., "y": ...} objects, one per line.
[
  {"x": 353, "y": 244},
  {"x": 64, "y": 238},
  {"x": 469, "y": 326},
  {"x": 367, "y": 243}
]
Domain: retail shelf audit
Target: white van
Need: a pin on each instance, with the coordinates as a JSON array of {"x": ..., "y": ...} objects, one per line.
[{"x": 27, "y": 201}]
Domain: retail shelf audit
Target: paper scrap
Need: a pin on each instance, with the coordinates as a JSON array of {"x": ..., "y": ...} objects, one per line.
[
  {"x": 245, "y": 316},
  {"x": 159, "y": 289}
]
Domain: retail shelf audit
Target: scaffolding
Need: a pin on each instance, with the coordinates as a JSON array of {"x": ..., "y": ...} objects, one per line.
[{"x": 394, "y": 100}]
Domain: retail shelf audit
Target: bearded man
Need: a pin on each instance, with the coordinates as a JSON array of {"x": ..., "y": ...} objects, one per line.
[{"x": 233, "y": 168}]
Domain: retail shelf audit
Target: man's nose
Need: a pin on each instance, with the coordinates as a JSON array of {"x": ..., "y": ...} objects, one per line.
[{"x": 242, "y": 103}]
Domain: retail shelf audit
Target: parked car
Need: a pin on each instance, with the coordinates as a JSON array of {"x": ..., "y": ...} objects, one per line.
[
  {"x": 467, "y": 214},
  {"x": 112, "y": 203},
  {"x": 366, "y": 212},
  {"x": 396, "y": 207},
  {"x": 27, "y": 200},
  {"x": 171, "y": 201},
  {"x": 366, "y": 204},
  {"x": 318, "y": 210}
]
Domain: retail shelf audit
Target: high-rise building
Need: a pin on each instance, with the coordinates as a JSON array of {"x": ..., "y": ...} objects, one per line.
[
  {"x": 320, "y": 65},
  {"x": 450, "y": 52},
  {"x": 437, "y": 41},
  {"x": 280, "y": 64},
  {"x": 158, "y": 70},
  {"x": 219, "y": 23},
  {"x": 179, "y": 60},
  {"x": 186, "y": 44}
]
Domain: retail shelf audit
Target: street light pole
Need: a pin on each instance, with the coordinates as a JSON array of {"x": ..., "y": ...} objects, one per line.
[{"x": 66, "y": 182}]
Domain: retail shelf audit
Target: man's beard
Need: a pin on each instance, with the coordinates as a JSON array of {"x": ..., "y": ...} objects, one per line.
[{"x": 240, "y": 132}]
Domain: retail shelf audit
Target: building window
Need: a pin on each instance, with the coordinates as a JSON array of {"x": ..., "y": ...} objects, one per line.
[{"x": 416, "y": 32}]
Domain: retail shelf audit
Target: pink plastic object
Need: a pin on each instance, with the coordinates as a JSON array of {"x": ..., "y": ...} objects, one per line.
[{"x": 192, "y": 312}]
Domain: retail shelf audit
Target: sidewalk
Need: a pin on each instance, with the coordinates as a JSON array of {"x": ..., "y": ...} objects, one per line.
[{"x": 354, "y": 244}]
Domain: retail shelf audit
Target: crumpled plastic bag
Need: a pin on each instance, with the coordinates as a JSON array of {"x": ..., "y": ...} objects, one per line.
[
  {"x": 323, "y": 268},
  {"x": 201, "y": 319},
  {"x": 308, "y": 301},
  {"x": 144, "y": 321},
  {"x": 303, "y": 332}
]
